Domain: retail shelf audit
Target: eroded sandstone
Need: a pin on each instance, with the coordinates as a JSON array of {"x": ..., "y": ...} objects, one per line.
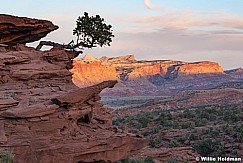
[
  {"x": 158, "y": 77},
  {"x": 20, "y": 30},
  {"x": 44, "y": 117}
]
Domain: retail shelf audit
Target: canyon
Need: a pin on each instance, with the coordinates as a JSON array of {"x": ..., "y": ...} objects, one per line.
[
  {"x": 158, "y": 77},
  {"x": 57, "y": 107}
]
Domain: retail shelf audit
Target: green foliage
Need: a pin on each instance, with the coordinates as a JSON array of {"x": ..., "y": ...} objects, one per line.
[
  {"x": 173, "y": 160},
  {"x": 189, "y": 124},
  {"x": 207, "y": 147},
  {"x": 201, "y": 122},
  {"x": 188, "y": 114},
  {"x": 143, "y": 120},
  {"x": 6, "y": 156},
  {"x": 193, "y": 136},
  {"x": 92, "y": 31},
  {"x": 148, "y": 159},
  {"x": 174, "y": 143},
  {"x": 153, "y": 131},
  {"x": 117, "y": 121},
  {"x": 8, "y": 95},
  {"x": 155, "y": 142}
]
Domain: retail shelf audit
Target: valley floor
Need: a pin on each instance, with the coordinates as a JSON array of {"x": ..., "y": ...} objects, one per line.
[{"x": 178, "y": 131}]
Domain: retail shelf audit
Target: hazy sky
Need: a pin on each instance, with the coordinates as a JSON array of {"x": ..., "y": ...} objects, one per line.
[{"x": 188, "y": 30}]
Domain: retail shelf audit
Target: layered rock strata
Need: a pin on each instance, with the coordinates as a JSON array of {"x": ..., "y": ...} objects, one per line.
[
  {"x": 158, "y": 77},
  {"x": 21, "y": 30},
  {"x": 44, "y": 117}
]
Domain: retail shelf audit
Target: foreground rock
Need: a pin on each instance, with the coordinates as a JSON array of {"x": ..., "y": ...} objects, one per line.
[
  {"x": 23, "y": 30},
  {"x": 44, "y": 117}
]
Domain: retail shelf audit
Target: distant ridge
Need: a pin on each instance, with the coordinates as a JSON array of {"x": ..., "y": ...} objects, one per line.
[{"x": 156, "y": 77}]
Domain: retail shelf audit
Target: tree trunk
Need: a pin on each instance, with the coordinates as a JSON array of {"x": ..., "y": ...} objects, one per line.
[{"x": 53, "y": 44}]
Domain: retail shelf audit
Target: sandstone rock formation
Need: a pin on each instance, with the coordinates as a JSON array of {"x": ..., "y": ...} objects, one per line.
[
  {"x": 88, "y": 71},
  {"x": 23, "y": 30},
  {"x": 45, "y": 118},
  {"x": 159, "y": 77}
]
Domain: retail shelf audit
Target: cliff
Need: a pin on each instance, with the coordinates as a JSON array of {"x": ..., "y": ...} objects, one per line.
[
  {"x": 44, "y": 117},
  {"x": 86, "y": 73},
  {"x": 158, "y": 77},
  {"x": 21, "y": 30}
]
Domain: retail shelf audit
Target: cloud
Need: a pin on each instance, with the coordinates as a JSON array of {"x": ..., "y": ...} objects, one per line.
[
  {"x": 149, "y": 5},
  {"x": 167, "y": 17}
]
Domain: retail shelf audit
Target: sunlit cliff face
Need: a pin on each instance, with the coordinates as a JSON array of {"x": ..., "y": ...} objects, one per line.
[{"x": 89, "y": 70}]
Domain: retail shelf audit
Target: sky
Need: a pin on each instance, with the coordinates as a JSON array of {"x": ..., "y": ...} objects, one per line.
[{"x": 186, "y": 30}]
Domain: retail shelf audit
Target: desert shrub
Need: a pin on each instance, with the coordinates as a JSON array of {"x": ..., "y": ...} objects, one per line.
[
  {"x": 215, "y": 133},
  {"x": 6, "y": 156},
  {"x": 174, "y": 143},
  {"x": 188, "y": 114},
  {"x": 212, "y": 117},
  {"x": 148, "y": 159},
  {"x": 208, "y": 147},
  {"x": 193, "y": 136},
  {"x": 189, "y": 124},
  {"x": 175, "y": 125},
  {"x": 238, "y": 136},
  {"x": 152, "y": 131},
  {"x": 118, "y": 120},
  {"x": 8, "y": 95},
  {"x": 143, "y": 120},
  {"x": 181, "y": 139},
  {"x": 201, "y": 122},
  {"x": 234, "y": 152},
  {"x": 165, "y": 119},
  {"x": 235, "y": 117},
  {"x": 130, "y": 160},
  {"x": 173, "y": 160},
  {"x": 155, "y": 142},
  {"x": 203, "y": 114},
  {"x": 227, "y": 129}
]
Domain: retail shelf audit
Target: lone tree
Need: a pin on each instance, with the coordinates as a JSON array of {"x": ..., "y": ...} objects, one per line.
[{"x": 91, "y": 31}]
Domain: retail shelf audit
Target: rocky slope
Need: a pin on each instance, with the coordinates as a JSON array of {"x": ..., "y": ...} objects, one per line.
[
  {"x": 44, "y": 117},
  {"x": 159, "y": 77}
]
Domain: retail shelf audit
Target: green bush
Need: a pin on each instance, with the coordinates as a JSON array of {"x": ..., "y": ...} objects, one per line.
[
  {"x": 188, "y": 125},
  {"x": 173, "y": 160},
  {"x": 174, "y": 143},
  {"x": 143, "y": 120},
  {"x": 193, "y": 136},
  {"x": 208, "y": 147},
  {"x": 154, "y": 130},
  {"x": 6, "y": 156},
  {"x": 188, "y": 114},
  {"x": 155, "y": 143},
  {"x": 148, "y": 159}
]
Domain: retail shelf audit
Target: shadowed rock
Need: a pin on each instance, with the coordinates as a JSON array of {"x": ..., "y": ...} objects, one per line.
[
  {"x": 44, "y": 117},
  {"x": 78, "y": 96},
  {"x": 23, "y": 30}
]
